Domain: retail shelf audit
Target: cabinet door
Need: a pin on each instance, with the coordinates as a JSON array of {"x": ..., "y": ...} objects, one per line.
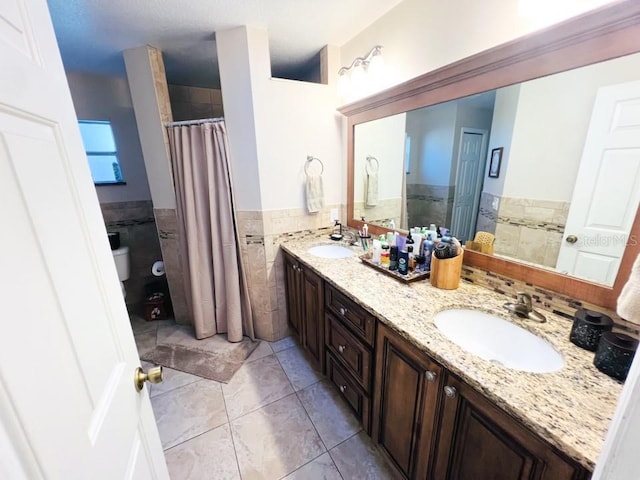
[
  {"x": 477, "y": 440},
  {"x": 313, "y": 316},
  {"x": 406, "y": 405},
  {"x": 292, "y": 280}
]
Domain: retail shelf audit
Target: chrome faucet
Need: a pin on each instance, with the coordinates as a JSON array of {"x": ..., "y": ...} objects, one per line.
[
  {"x": 524, "y": 308},
  {"x": 350, "y": 237}
]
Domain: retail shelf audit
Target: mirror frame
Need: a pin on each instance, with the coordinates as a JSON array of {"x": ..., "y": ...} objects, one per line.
[{"x": 602, "y": 34}]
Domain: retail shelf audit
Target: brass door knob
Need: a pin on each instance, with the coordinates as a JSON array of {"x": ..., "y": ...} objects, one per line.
[
  {"x": 154, "y": 375},
  {"x": 571, "y": 239}
]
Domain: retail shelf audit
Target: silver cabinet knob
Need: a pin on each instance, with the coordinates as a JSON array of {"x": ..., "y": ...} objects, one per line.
[
  {"x": 450, "y": 392},
  {"x": 341, "y": 348},
  {"x": 342, "y": 388},
  {"x": 343, "y": 311},
  {"x": 571, "y": 239},
  {"x": 430, "y": 376}
]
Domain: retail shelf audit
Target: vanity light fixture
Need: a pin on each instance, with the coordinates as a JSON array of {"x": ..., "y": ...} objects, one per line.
[{"x": 361, "y": 76}]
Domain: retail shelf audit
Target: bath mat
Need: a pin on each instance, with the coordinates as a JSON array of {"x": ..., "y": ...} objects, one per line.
[{"x": 215, "y": 365}]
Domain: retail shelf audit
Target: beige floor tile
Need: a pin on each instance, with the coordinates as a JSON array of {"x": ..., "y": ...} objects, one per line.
[
  {"x": 254, "y": 385},
  {"x": 298, "y": 368},
  {"x": 261, "y": 351},
  {"x": 172, "y": 379},
  {"x": 275, "y": 440},
  {"x": 207, "y": 456},
  {"x": 329, "y": 413},
  {"x": 189, "y": 411},
  {"x": 283, "y": 344},
  {"x": 322, "y": 468},
  {"x": 358, "y": 458}
]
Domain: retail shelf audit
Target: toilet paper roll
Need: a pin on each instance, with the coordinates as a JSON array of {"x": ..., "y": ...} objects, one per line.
[{"x": 158, "y": 268}]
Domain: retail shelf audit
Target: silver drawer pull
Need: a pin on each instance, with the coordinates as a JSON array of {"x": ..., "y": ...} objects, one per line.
[
  {"x": 343, "y": 311},
  {"x": 450, "y": 392},
  {"x": 341, "y": 348},
  {"x": 343, "y": 388},
  {"x": 430, "y": 376}
]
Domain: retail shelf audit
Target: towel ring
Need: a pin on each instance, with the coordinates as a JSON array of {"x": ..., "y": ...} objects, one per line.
[
  {"x": 311, "y": 159},
  {"x": 370, "y": 160}
]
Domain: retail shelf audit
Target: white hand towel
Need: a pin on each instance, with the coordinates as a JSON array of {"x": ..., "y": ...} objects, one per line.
[
  {"x": 315, "y": 193},
  {"x": 372, "y": 189},
  {"x": 629, "y": 299}
]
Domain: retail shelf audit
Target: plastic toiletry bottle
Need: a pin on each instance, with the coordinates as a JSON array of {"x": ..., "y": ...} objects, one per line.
[
  {"x": 403, "y": 262},
  {"x": 412, "y": 258},
  {"x": 384, "y": 255},
  {"x": 427, "y": 250},
  {"x": 393, "y": 257},
  {"x": 400, "y": 241},
  {"x": 377, "y": 251}
]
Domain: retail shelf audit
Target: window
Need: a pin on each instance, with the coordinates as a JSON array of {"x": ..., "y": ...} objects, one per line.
[{"x": 102, "y": 154}]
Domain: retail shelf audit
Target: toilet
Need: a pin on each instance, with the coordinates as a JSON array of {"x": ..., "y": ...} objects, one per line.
[{"x": 121, "y": 258}]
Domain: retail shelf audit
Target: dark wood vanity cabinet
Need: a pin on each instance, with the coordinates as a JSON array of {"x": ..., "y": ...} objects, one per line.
[
  {"x": 406, "y": 405},
  {"x": 305, "y": 308},
  {"x": 432, "y": 425},
  {"x": 477, "y": 440},
  {"x": 428, "y": 423}
]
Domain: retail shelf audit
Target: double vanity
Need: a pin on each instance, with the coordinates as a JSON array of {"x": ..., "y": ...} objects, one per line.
[{"x": 435, "y": 409}]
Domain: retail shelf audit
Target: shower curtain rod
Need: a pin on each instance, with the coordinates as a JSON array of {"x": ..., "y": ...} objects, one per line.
[{"x": 194, "y": 122}]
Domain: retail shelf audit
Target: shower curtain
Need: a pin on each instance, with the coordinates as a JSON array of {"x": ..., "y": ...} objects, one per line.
[{"x": 214, "y": 278}]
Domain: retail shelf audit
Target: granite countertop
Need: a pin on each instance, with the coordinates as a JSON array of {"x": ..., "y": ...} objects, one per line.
[{"x": 571, "y": 408}]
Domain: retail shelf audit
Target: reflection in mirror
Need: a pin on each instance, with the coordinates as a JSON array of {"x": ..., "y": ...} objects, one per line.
[{"x": 568, "y": 184}]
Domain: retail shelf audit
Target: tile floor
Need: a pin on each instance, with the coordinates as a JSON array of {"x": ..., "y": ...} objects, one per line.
[{"x": 276, "y": 419}]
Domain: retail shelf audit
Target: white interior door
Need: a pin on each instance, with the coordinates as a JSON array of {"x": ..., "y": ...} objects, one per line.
[
  {"x": 607, "y": 192},
  {"x": 469, "y": 171},
  {"x": 68, "y": 407}
]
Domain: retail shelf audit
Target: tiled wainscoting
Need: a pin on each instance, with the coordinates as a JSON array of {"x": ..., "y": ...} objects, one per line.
[
  {"x": 167, "y": 221},
  {"x": 135, "y": 223},
  {"x": 427, "y": 204},
  {"x": 527, "y": 229},
  {"x": 383, "y": 213},
  {"x": 261, "y": 233},
  {"x": 542, "y": 299}
]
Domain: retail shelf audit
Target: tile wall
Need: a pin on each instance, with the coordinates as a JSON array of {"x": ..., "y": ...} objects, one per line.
[
  {"x": 193, "y": 103},
  {"x": 168, "y": 233},
  {"x": 261, "y": 233},
  {"x": 527, "y": 229},
  {"x": 383, "y": 213},
  {"x": 427, "y": 204},
  {"x": 136, "y": 225},
  {"x": 548, "y": 300}
]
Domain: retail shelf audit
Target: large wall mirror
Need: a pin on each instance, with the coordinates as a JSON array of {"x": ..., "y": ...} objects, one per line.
[{"x": 550, "y": 164}]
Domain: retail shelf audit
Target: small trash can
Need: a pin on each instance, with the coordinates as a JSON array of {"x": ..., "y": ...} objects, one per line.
[{"x": 154, "y": 307}]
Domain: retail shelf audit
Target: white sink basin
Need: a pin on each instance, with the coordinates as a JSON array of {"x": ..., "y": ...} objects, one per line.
[
  {"x": 498, "y": 340},
  {"x": 331, "y": 251}
]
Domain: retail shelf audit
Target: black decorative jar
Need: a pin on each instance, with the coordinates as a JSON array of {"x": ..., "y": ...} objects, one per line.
[
  {"x": 615, "y": 353},
  {"x": 588, "y": 326}
]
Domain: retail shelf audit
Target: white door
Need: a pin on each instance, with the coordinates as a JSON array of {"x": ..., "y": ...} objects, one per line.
[
  {"x": 68, "y": 407},
  {"x": 468, "y": 183},
  {"x": 607, "y": 192}
]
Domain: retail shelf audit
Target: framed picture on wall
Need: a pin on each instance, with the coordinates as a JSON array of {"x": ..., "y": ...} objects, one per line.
[{"x": 494, "y": 163}]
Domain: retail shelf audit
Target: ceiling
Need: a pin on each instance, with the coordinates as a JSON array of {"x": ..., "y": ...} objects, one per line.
[{"x": 93, "y": 33}]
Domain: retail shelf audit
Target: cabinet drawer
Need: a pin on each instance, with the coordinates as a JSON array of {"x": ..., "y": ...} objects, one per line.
[
  {"x": 350, "y": 351},
  {"x": 362, "y": 322},
  {"x": 350, "y": 391}
]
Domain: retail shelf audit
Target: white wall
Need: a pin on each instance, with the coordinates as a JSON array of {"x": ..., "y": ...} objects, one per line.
[
  {"x": 100, "y": 97},
  {"x": 383, "y": 139},
  {"x": 551, "y": 125},
  {"x": 149, "y": 119},
  {"x": 235, "y": 78},
  {"x": 421, "y": 35},
  {"x": 432, "y": 132},
  {"x": 504, "y": 117},
  {"x": 286, "y": 119}
]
